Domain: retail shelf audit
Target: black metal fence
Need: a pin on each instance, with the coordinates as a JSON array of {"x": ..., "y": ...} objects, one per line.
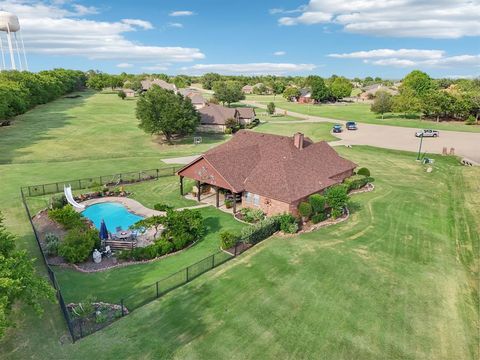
[
  {"x": 91, "y": 182},
  {"x": 77, "y": 326}
]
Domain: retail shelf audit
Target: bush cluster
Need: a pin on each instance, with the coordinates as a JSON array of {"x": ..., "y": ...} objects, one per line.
[
  {"x": 287, "y": 223},
  {"x": 260, "y": 231},
  {"x": 337, "y": 198},
  {"x": 51, "y": 244},
  {"x": 22, "y": 90},
  {"x": 58, "y": 201},
  {"x": 357, "y": 183},
  {"x": 77, "y": 245},
  {"x": 67, "y": 217},
  {"x": 159, "y": 248},
  {"x": 162, "y": 207},
  {"x": 251, "y": 215},
  {"x": 228, "y": 239}
]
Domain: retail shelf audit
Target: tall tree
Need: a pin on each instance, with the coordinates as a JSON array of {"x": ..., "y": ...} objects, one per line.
[
  {"x": 406, "y": 102},
  {"x": 228, "y": 91},
  {"x": 437, "y": 103},
  {"x": 291, "y": 92},
  {"x": 208, "y": 80},
  {"x": 163, "y": 112},
  {"x": 18, "y": 280},
  {"x": 419, "y": 82},
  {"x": 382, "y": 103},
  {"x": 320, "y": 91},
  {"x": 341, "y": 87}
]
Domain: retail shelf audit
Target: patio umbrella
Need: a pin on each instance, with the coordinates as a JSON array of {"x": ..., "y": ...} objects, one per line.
[{"x": 103, "y": 231}]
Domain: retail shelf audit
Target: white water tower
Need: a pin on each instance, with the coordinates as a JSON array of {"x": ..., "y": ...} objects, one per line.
[{"x": 10, "y": 26}]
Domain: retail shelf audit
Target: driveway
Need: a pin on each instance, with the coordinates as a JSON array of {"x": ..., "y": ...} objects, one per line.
[{"x": 398, "y": 138}]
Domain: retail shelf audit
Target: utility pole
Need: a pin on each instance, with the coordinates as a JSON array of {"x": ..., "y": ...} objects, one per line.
[{"x": 420, "y": 147}]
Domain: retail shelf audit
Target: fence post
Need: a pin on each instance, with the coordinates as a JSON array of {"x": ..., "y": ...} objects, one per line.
[
  {"x": 157, "y": 173},
  {"x": 81, "y": 329},
  {"x": 235, "y": 251},
  {"x": 157, "y": 288},
  {"x": 79, "y": 184},
  {"x": 43, "y": 186},
  {"x": 101, "y": 181},
  {"x": 213, "y": 261},
  {"x": 186, "y": 269},
  {"x": 123, "y": 311},
  {"x": 58, "y": 189}
]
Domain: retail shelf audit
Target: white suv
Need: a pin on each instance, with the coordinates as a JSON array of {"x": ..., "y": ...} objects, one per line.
[{"x": 427, "y": 133}]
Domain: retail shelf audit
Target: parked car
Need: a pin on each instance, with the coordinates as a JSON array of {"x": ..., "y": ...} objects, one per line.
[
  {"x": 351, "y": 125},
  {"x": 427, "y": 133},
  {"x": 337, "y": 128}
]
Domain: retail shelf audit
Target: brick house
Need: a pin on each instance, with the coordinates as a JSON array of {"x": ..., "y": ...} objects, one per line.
[
  {"x": 213, "y": 118},
  {"x": 271, "y": 172},
  {"x": 246, "y": 115}
]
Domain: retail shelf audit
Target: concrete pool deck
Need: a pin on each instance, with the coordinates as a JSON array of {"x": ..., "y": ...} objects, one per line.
[{"x": 132, "y": 205}]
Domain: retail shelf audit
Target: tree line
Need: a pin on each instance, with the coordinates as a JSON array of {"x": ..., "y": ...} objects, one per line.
[
  {"x": 22, "y": 90},
  {"x": 421, "y": 95}
]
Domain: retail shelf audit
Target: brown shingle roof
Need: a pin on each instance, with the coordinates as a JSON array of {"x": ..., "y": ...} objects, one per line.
[
  {"x": 214, "y": 114},
  {"x": 147, "y": 84},
  {"x": 271, "y": 166},
  {"x": 246, "y": 112}
]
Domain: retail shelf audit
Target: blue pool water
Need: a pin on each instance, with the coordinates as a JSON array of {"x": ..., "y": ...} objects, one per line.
[{"x": 114, "y": 215}]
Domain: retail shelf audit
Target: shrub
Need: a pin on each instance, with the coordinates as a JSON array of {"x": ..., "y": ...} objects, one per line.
[
  {"x": 336, "y": 213},
  {"x": 228, "y": 203},
  {"x": 471, "y": 120},
  {"x": 164, "y": 247},
  {"x": 363, "y": 171},
  {"x": 287, "y": 223},
  {"x": 51, "y": 244},
  {"x": 252, "y": 215},
  {"x": 260, "y": 231},
  {"x": 228, "y": 131},
  {"x": 122, "y": 95},
  {"x": 228, "y": 239},
  {"x": 357, "y": 183},
  {"x": 317, "y": 203},
  {"x": 337, "y": 198},
  {"x": 319, "y": 218},
  {"x": 58, "y": 201},
  {"x": 183, "y": 227},
  {"x": 162, "y": 207},
  {"x": 305, "y": 209},
  {"x": 78, "y": 244},
  {"x": 67, "y": 216},
  {"x": 271, "y": 108}
]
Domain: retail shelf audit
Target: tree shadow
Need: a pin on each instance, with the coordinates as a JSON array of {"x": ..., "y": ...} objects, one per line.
[{"x": 34, "y": 125}]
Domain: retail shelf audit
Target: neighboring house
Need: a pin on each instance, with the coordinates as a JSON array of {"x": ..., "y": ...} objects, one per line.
[
  {"x": 271, "y": 172},
  {"x": 129, "y": 92},
  {"x": 305, "y": 96},
  {"x": 195, "y": 96},
  {"x": 213, "y": 117},
  {"x": 147, "y": 84},
  {"x": 369, "y": 92},
  {"x": 247, "y": 89},
  {"x": 246, "y": 115}
]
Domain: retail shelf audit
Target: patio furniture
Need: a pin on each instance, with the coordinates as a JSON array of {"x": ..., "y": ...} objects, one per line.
[
  {"x": 123, "y": 235},
  {"x": 97, "y": 257},
  {"x": 107, "y": 252}
]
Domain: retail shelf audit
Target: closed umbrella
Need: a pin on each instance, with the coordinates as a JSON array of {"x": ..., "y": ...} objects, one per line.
[{"x": 103, "y": 231}]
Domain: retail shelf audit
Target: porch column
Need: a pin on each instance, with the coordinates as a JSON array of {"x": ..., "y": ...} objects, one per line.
[
  {"x": 199, "y": 190},
  {"x": 181, "y": 185},
  {"x": 217, "y": 196},
  {"x": 234, "y": 203}
]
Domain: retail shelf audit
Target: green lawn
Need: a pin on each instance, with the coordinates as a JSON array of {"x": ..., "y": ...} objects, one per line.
[
  {"x": 396, "y": 281},
  {"x": 361, "y": 113}
]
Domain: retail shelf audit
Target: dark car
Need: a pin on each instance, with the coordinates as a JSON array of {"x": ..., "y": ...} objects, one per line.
[
  {"x": 337, "y": 128},
  {"x": 351, "y": 125}
]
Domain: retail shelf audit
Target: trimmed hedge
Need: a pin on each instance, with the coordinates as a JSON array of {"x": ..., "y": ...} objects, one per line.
[
  {"x": 355, "y": 184},
  {"x": 228, "y": 239}
]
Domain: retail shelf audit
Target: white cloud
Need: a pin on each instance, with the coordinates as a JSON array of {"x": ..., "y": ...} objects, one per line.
[
  {"x": 181, "y": 13},
  {"x": 280, "y": 53},
  {"x": 400, "y": 53},
  {"x": 56, "y": 29},
  {"x": 251, "y": 68},
  {"x": 124, "y": 65},
  {"x": 159, "y": 67},
  {"x": 84, "y": 10},
  {"x": 175, "y": 25},
  {"x": 140, "y": 23},
  {"x": 396, "y": 18},
  {"x": 411, "y": 58}
]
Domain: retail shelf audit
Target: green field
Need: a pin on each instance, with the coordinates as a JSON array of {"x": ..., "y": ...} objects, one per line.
[
  {"x": 396, "y": 281},
  {"x": 360, "y": 113}
]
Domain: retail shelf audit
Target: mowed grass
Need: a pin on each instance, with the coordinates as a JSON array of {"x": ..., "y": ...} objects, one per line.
[
  {"x": 390, "y": 283},
  {"x": 361, "y": 113},
  {"x": 396, "y": 281}
]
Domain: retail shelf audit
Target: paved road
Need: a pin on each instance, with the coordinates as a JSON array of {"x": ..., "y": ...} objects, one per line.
[{"x": 398, "y": 138}]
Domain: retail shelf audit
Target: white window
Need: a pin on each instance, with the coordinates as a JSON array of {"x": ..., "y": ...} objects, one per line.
[
  {"x": 256, "y": 200},
  {"x": 248, "y": 197}
]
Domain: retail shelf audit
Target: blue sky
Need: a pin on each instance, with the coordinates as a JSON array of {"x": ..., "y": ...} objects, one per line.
[{"x": 352, "y": 38}]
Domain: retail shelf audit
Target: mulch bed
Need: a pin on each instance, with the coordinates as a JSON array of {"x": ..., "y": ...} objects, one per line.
[{"x": 44, "y": 226}]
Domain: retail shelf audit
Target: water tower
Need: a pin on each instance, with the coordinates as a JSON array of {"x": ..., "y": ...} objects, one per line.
[{"x": 10, "y": 26}]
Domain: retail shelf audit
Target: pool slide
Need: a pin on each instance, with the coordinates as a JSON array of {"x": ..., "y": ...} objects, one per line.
[{"x": 68, "y": 194}]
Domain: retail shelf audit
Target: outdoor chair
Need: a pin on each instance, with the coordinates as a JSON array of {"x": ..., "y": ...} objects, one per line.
[
  {"x": 118, "y": 228},
  {"x": 107, "y": 252}
]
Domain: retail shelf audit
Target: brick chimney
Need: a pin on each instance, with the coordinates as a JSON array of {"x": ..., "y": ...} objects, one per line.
[{"x": 298, "y": 140}]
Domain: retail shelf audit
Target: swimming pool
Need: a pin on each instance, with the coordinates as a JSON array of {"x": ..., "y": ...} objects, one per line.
[{"x": 114, "y": 214}]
